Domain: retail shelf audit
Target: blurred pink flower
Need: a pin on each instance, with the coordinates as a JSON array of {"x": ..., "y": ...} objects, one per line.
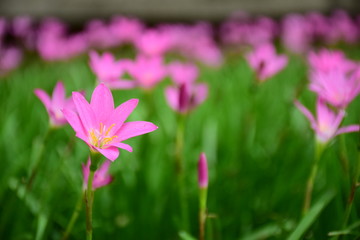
[
  {"x": 147, "y": 71},
  {"x": 10, "y": 58},
  {"x": 99, "y": 34},
  {"x": 55, "y": 104},
  {"x": 183, "y": 72},
  {"x": 328, "y": 60},
  {"x": 109, "y": 71},
  {"x": 125, "y": 29},
  {"x": 186, "y": 96},
  {"x": 153, "y": 43},
  {"x": 327, "y": 124},
  {"x": 336, "y": 87},
  {"x": 101, "y": 126},
  {"x": 101, "y": 176},
  {"x": 265, "y": 61},
  {"x": 296, "y": 33},
  {"x": 203, "y": 177}
]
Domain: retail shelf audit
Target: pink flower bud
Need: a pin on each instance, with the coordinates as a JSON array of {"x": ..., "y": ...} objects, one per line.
[{"x": 203, "y": 171}]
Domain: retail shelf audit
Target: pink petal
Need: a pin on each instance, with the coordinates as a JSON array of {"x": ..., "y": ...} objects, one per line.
[
  {"x": 74, "y": 121},
  {"x": 122, "y": 84},
  {"x": 58, "y": 97},
  {"x": 351, "y": 128},
  {"x": 132, "y": 129},
  {"x": 201, "y": 92},
  {"x": 85, "y": 111},
  {"x": 121, "y": 113},
  {"x": 111, "y": 153},
  {"x": 44, "y": 98},
  {"x": 104, "y": 168},
  {"x": 125, "y": 146},
  {"x": 102, "y": 102},
  {"x": 307, "y": 113},
  {"x": 172, "y": 97}
]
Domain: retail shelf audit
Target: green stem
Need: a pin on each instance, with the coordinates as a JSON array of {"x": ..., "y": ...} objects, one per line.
[
  {"x": 89, "y": 193},
  {"x": 89, "y": 198},
  {"x": 343, "y": 154},
  {"x": 202, "y": 212},
  {"x": 179, "y": 164},
  {"x": 319, "y": 147},
  {"x": 74, "y": 217},
  {"x": 354, "y": 186}
]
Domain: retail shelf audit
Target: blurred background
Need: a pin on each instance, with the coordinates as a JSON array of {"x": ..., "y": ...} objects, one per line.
[
  {"x": 167, "y": 10},
  {"x": 259, "y": 146}
]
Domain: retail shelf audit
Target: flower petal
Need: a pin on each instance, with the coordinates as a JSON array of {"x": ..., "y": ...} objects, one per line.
[
  {"x": 74, "y": 121},
  {"x": 132, "y": 129},
  {"x": 111, "y": 153},
  {"x": 102, "y": 102},
  {"x": 172, "y": 97},
  {"x": 201, "y": 92},
  {"x": 125, "y": 146},
  {"x": 86, "y": 113},
  {"x": 307, "y": 114},
  {"x": 58, "y": 97},
  {"x": 350, "y": 128},
  {"x": 120, "y": 114},
  {"x": 44, "y": 98}
]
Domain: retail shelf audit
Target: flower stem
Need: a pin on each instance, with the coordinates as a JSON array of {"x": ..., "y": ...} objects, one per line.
[
  {"x": 319, "y": 147},
  {"x": 179, "y": 164},
  {"x": 354, "y": 186},
  {"x": 89, "y": 198},
  {"x": 202, "y": 212},
  {"x": 89, "y": 193},
  {"x": 74, "y": 217},
  {"x": 343, "y": 154}
]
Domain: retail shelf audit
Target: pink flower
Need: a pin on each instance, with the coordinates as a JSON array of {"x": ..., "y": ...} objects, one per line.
[
  {"x": 326, "y": 126},
  {"x": 55, "y": 104},
  {"x": 153, "y": 43},
  {"x": 126, "y": 29},
  {"x": 10, "y": 58},
  {"x": 147, "y": 71},
  {"x": 265, "y": 61},
  {"x": 327, "y": 60},
  {"x": 296, "y": 33},
  {"x": 183, "y": 72},
  {"x": 101, "y": 176},
  {"x": 186, "y": 96},
  {"x": 336, "y": 87},
  {"x": 203, "y": 178},
  {"x": 101, "y": 126},
  {"x": 109, "y": 71}
]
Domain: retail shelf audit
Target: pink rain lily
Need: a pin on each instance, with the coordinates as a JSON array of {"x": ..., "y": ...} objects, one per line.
[
  {"x": 265, "y": 61},
  {"x": 186, "y": 97},
  {"x": 153, "y": 43},
  {"x": 203, "y": 176},
  {"x": 10, "y": 58},
  {"x": 328, "y": 60},
  {"x": 101, "y": 126},
  {"x": 101, "y": 176},
  {"x": 326, "y": 125},
  {"x": 55, "y": 104},
  {"x": 109, "y": 71},
  {"x": 336, "y": 87},
  {"x": 183, "y": 72},
  {"x": 147, "y": 71}
]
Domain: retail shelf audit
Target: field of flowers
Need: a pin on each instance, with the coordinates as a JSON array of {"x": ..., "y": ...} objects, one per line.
[{"x": 247, "y": 129}]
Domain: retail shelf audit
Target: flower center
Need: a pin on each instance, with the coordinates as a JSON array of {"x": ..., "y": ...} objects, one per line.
[{"x": 100, "y": 137}]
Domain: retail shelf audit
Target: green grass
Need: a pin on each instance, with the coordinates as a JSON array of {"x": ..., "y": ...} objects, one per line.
[{"x": 259, "y": 148}]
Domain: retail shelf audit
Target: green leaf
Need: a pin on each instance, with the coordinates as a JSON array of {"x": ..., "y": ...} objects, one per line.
[
  {"x": 311, "y": 216},
  {"x": 186, "y": 236}
]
